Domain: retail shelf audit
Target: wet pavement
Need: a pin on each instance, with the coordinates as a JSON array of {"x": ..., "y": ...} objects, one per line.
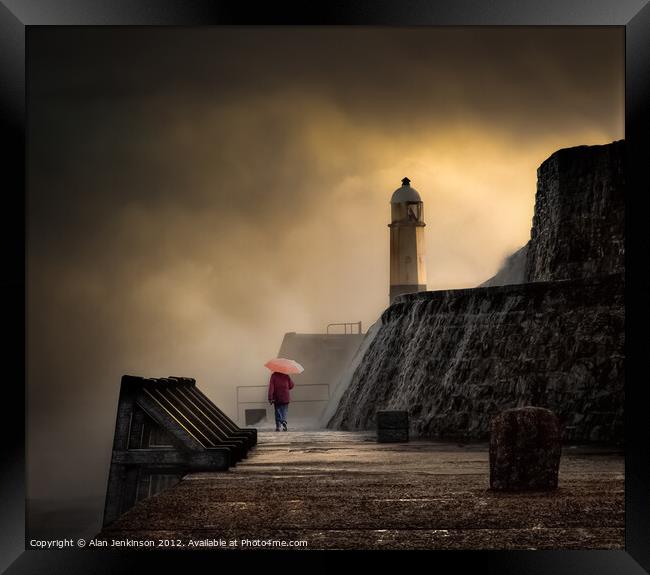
[{"x": 342, "y": 490}]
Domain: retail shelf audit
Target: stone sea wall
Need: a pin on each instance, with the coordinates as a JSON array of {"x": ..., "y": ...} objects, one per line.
[
  {"x": 579, "y": 223},
  {"x": 552, "y": 338},
  {"x": 455, "y": 359},
  {"x": 513, "y": 270}
]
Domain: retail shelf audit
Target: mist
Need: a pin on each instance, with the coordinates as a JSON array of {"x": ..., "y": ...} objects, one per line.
[{"x": 193, "y": 194}]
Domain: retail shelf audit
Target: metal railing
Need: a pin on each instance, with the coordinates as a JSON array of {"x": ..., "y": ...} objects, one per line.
[
  {"x": 265, "y": 401},
  {"x": 345, "y": 325}
]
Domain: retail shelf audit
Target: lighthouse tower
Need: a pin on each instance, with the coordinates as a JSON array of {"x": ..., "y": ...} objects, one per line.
[{"x": 407, "y": 271}]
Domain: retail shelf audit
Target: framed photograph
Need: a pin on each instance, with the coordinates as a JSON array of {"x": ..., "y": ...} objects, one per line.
[{"x": 363, "y": 278}]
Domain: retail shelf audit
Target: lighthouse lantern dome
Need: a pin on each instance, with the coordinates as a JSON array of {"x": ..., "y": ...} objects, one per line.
[{"x": 405, "y": 193}]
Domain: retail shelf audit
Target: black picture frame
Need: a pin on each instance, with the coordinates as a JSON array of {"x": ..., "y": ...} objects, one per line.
[{"x": 17, "y": 16}]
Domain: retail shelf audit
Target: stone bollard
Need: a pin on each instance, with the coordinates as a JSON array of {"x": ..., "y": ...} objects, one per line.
[
  {"x": 525, "y": 449},
  {"x": 392, "y": 426}
]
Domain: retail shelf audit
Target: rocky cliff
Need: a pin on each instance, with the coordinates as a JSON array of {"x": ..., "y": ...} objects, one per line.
[{"x": 456, "y": 358}]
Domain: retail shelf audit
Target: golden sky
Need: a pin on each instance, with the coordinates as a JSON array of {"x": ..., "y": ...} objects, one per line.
[{"x": 193, "y": 194}]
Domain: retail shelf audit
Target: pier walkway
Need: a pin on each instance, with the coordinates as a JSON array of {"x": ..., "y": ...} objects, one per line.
[{"x": 342, "y": 490}]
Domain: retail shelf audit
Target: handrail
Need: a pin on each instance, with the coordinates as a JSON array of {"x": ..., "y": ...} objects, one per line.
[
  {"x": 263, "y": 401},
  {"x": 345, "y": 324},
  {"x": 327, "y": 385}
]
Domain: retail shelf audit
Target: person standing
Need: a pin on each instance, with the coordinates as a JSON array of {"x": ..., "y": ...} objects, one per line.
[{"x": 279, "y": 397}]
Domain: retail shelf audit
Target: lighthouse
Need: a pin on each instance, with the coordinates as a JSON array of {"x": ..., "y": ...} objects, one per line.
[{"x": 407, "y": 269}]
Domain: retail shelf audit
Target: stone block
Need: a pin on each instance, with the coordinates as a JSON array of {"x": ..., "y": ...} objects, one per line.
[
  {"x": 392, "y": 419},
  {"x": 392, "y": 435},
  {"x": 392, "y": 426},
  {"x": 525, "y": 449}
]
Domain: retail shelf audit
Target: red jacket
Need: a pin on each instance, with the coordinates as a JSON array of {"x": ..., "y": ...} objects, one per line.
[{"x": 279, "y": 387}]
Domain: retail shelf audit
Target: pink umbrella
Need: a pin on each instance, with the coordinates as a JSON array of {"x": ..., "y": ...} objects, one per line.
[{"x": 284, "y": 365}]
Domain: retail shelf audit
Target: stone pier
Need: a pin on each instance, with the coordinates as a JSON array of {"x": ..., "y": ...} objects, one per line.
[{"x": 342, "y": 490}]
